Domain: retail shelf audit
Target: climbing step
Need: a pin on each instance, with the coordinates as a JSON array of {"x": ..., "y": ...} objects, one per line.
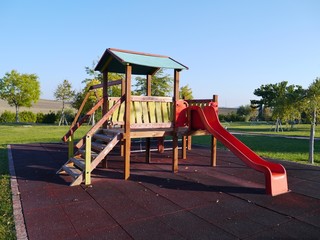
[
  {"x": 97, "y": 146},
  {"x": 79, "y": 162},
  {"x": 82, "y": 152},
  {"x": 102, "y": 143},
  {"x": 72, "y": 171},
  {"x": 103, "y": 137}
]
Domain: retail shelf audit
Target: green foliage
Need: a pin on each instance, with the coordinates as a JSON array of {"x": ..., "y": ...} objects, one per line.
[
  {"x": 161, "y": 85},
  {"x": 64, "y": 92},
  {"x": 245, "y": 113},
  {"x": 94, "y": 97},
  {"x": 27, "y": 117},
  {"x": 283, "y": 99},
  {"x": 19, "y": 90},
  {"x": 113, "y": 91},
  {"x": 185, "y": 93},
  {"x": 7, "y": 117}
]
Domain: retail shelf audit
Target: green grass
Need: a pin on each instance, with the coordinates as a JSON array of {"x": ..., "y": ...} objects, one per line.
[
  {"x": 264, "y": 128},
  {"x": 13, "y": 134},
  {"x": 271, "y": 144}
]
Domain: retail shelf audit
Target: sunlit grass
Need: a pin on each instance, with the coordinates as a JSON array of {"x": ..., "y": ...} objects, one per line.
[{"x": 270, "y": 144}]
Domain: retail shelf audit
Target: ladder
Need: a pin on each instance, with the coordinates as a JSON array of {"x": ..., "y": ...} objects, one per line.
[{"x": 89, "y": 155}]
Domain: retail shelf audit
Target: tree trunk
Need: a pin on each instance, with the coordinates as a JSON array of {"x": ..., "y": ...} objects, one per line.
[
  {"x": 17, "y": 113},
  {"x": 312, "y": 134}
]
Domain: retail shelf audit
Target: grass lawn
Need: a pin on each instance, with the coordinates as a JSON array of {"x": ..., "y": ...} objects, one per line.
[
  {"x": 270, "y": 144},
  {"x": 266, "y": 146}
]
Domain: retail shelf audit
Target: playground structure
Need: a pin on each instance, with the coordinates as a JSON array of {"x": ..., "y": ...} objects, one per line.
[{"x": 128, "y": 117}]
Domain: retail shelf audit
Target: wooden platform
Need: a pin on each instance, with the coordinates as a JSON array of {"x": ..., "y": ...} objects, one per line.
[{"x": 198, "y": 202}]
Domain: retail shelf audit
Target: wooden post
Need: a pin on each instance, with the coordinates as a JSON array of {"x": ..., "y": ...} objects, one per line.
[
  {"x": 175, "y": 151},
  {"x": 70, "y": 146},
  {"x": 184, "y": 147},
  {"x": 123, "y": 88},
  {"x": 127, "y": 139},
  {"x": 87, "y": 171},
  {"x": 105, "y": 106},
  {"x": 148, "y": 143},
  {"x": 214, "y": 141}
]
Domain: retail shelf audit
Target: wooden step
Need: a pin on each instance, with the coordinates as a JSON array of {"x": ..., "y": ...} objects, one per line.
[
  {"x": 72, "y": 171},
  {"x": 79, "y": 162},
  {"x": 97, "y": 146},
  {"x": 103, "y": 137},
  {"x": 112, "y": 131},
  {"x": 83, "y": 154}
]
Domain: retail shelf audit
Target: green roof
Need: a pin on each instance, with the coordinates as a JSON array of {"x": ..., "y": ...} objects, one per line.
[{"x": 115, "y": 60}]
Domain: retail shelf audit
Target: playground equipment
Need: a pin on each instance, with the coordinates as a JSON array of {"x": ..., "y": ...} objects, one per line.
[{"x": 152, "y": 117}]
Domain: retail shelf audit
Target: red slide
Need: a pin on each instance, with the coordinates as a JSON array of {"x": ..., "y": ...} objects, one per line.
[{"x": 275, "y": 174}]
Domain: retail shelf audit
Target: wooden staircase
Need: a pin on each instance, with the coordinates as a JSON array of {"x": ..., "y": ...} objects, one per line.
[{"x": 93, "y": 150}]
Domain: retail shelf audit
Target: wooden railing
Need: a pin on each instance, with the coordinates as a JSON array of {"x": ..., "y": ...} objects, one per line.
[
  {"x": 146, "y": 112},
  {"x": 199, "y": 102},
  {"x": 76, "y": 122}
]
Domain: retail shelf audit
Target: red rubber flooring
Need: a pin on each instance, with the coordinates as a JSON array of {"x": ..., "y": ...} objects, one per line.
[{"x": 199, "y": 202}]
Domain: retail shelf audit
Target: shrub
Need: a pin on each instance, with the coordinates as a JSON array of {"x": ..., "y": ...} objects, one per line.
[
  {"x": 7, "y": 117},
  {"x": 27, "y": 117},
  {"x": 50, "y": 117},
  {"x": 40, "y": 117}
]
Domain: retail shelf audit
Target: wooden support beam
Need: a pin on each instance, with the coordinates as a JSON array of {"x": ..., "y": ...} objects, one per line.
[
  {"x": 105, "y": 106},
  {"x": 184, "y": 147},
  {"x": 70, "y": 146},
  {"x": 175, "y": 150},
  {"x": 214, "y": 142},
  {"x": 87, "y": 170},
  {"x": 127, "y": 139},
  {"x": 148, "y": 140}
]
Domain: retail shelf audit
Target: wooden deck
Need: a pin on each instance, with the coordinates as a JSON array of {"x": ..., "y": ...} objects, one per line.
[{"x": 198, "y": 202}]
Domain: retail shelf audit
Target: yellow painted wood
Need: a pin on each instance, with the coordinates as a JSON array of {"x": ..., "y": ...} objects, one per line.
[
  {"x": 132, "y": 112},
  {"x": 121, "y": 114},
  {"x": 70, "y": 146},
  {"x": 145, "y": 112},
  {"x": 165, "y": 112},
  {"x": 158, "y": 112},
  {"x": 152, "y": 112},
  {"x": 138, "y": 111},
  {"x": 87, "y": 170}
]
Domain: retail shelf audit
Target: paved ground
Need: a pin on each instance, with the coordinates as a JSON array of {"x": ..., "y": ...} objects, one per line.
[{"x": 199, "y": 202}]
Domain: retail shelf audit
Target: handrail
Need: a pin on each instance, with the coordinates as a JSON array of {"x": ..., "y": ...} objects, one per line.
[
  {"x": 80, "y": 110},
  {"x": 82, "y": 120},
  {"x": 93, "y": 87},
  {"x": 101, "y": 121},
  {"x": 105, "y": 117}
]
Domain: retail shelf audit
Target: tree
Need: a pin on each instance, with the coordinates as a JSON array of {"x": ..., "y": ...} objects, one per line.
[
  {"x": 186, "y": 93},
  {"x": 282, "y": 99},
  {"x": 64, "y": 93},
  {"x": 245, "y": 112},
  {"x": 161, "y": 85},
  {"x": 312, "y": 107},
  {"x": 19, "y": 90}
]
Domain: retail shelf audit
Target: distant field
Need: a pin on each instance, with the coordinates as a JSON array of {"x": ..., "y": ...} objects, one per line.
[
  {"x": 42, "y": 105},
  {"x": 45, "y": 106}
]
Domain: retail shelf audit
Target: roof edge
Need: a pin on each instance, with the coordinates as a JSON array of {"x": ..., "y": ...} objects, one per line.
[{"x": 138, "y": 53}]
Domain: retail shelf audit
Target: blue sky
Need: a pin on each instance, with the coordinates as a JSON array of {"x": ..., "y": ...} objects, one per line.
[{"x": 230, "y": 46}]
